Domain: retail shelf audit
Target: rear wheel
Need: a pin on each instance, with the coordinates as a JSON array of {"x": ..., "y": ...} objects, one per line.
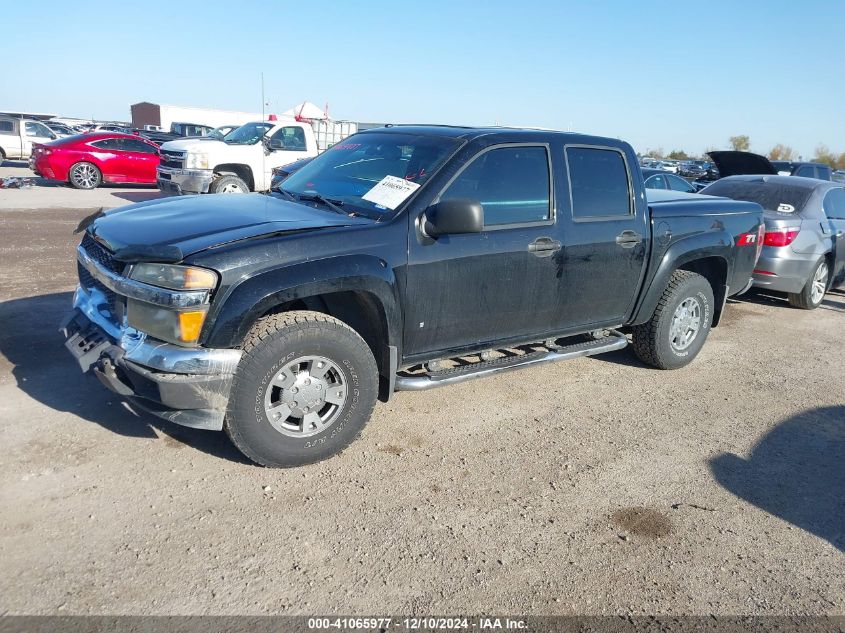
[
  {"x": 85, "y": 176},
  {"x": 228, "y": 183},
  {"x": 303, "y": 391},
  {"x": 680, "y": 324},
  {"x": 812, "y": 293}
]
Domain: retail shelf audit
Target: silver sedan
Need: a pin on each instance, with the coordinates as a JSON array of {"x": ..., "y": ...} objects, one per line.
[{"x": 804, "y": 246}]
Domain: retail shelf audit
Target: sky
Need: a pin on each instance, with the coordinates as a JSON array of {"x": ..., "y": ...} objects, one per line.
[{"x": 671, "y": 75}]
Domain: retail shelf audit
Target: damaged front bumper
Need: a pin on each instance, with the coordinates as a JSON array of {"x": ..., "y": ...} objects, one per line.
[{"x": 188, "y": 386}]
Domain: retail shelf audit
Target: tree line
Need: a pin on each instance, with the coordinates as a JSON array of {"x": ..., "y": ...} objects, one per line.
[{"x": 742, "y": 143}]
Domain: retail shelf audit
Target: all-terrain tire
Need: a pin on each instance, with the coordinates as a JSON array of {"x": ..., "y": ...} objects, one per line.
[
  {"x": 228, "y": 183},
  {"x": 653, "y": 340},
  {"x": 270, "y": 346},
  {"x": 804, "y": 299}
]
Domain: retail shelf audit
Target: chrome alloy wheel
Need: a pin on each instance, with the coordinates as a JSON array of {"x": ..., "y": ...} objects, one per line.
[
  {"x": 686, "y": 323},
  {"x": 819, "y": 284},
  {"x": 306, "y": 396},
  {"x": 84, "y": 176}
]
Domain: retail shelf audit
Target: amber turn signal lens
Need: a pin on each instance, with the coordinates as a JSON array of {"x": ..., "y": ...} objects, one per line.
[
  {"x": 190, "y": 326},
  {"x": 199, "y": 278}
]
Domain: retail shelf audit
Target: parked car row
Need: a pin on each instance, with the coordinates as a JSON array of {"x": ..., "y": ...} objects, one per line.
[{"x": 804, "y": 242}]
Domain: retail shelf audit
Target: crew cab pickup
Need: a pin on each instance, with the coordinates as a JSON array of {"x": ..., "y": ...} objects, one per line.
[{"x": 403, "y": 258}]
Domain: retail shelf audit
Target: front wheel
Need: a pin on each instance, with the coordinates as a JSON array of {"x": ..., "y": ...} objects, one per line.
[
  {"x": 85, "y": 176},
  {"x": 812, "y": 293},
  {"x": 303, "y": 391},
  {"x": 680, "y": 324},
  {"x": 228, "y": 183}
]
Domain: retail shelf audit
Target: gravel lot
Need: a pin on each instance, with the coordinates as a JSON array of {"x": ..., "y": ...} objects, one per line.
[{"x": 591, "y": 486}]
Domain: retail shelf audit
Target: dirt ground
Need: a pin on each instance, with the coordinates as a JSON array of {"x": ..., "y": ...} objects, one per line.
[{"x": 591, "y": 486}]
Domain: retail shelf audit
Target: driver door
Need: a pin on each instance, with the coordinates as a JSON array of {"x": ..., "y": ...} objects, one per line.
[{"x": 470, "y": 290}]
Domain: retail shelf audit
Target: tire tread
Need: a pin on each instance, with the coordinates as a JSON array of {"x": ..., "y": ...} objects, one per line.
[
  {"x": 644, "y": 339},
  {"x": 264, "y": 329}
]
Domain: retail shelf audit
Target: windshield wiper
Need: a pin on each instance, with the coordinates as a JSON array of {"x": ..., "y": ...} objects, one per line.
[
  {"x": 334, "y": 205},
  {"x": 287, "y": 193}
]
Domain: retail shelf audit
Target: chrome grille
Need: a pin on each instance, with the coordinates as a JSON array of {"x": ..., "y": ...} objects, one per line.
[
  {"x": 101, "y": 255},
  {"x": 171, "y": 158}
]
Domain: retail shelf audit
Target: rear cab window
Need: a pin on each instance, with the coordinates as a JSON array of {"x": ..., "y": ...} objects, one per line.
[{"x": 599, "y": 184}]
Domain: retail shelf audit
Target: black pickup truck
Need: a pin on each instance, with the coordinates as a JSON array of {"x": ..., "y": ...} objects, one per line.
[{"x": 404, "y": 258}]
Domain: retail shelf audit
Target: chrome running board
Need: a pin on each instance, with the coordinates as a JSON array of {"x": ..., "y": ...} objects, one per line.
[{"x": 614, "y": 341}]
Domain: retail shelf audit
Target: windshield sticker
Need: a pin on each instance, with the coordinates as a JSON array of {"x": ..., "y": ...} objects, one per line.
[
  {"x": 390, "y": 192},
  {"x": 786, "y": 208},
  {"x": 346, "y": 146}
]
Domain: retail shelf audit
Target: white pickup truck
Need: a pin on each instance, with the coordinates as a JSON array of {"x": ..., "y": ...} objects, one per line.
[
  {"x": 17, "y": 136},
  {"x": 244, "y": 161}
]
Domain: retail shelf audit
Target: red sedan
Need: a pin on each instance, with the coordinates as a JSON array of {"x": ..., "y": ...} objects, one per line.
[{"x": 88, "y": 160}]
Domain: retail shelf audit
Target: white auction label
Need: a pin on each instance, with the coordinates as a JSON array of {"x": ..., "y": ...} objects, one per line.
[{"x": 391, "y": 191}]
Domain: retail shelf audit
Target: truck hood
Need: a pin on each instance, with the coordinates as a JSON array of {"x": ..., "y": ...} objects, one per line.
[
  {"x": 170, "y": 229},
  {"x": 191, "y": 143},
  {"x": 732, "y": 163}
]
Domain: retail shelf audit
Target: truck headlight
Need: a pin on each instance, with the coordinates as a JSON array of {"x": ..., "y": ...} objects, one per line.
[
  {"x": 181, "y": 327},
  {"x": 175, "y": 277},
  {"x": 196, "y": 161}
]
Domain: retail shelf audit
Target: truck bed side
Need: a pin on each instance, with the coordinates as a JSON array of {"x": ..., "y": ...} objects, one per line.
[{"x": 715, "y": 237}]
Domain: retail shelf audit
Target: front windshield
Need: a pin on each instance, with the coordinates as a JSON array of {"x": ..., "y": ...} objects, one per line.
[
  {"x": 220, "y": 133},
  {"x": 384, "y": 168},
  {"x": 248, "y": 134}
]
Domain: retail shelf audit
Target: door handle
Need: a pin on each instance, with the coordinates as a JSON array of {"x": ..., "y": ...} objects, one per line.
[
  {"x": 544, "y": 246},
  {"x": 628, "y": 239}
]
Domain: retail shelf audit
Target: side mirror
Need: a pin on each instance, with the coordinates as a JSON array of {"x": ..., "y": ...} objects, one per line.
[
  {"x": 460, "y": 215},
  {"x": 275, "y": 144}
]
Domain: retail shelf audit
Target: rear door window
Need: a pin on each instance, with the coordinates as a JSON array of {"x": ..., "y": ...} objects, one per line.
[
  {"x": 512, "y": 184},
  {"x": 599, "y": 183},
  {"x": 834, "y": 204},
  {"x": 110, "y": 144},
  {"x": 806, "y": 171},
  {"x": 6, "y": 127},
  {"x": 133, "y": 145}
]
